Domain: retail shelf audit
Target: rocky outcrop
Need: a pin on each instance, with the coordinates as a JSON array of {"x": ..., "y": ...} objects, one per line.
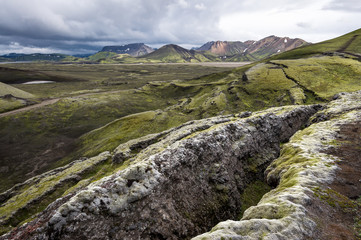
[
  {"x": 304, "y": 204},
  {"x": 176, "y": 184},
  {"x": 182, "y": 182}
]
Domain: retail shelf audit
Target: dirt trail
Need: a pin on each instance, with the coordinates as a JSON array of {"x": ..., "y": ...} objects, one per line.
[
  {"x": 43, "y": 103},
  {"x": 347, "y": 44},
  {"x": 52, "y": 101}
]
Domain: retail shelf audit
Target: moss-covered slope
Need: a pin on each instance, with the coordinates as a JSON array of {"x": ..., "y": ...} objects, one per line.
[
  {"x": 12, "y": 98},
  {"x": 348, "y": 43},
  {"x": 36, "y": 140},
  {"x": 176, "y": 54},
  {"x": 304, "y": 174}
]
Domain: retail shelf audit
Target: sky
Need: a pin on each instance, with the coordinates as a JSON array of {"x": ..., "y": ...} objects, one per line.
[{"x": 85, "y": 26}]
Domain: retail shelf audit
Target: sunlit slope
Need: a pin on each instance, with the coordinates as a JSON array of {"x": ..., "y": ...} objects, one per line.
[
  {"x": 348, "y": 43},
  {"x": 6, "y": 89},
  {"x": 12, "y": 98},
  {"x": 249, "y": 88},
  {"x": 47, "y": 134}
]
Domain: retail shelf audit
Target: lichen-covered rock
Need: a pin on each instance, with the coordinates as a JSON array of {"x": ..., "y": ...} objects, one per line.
[
  {"x": 288, "y": 211},
  {"x": 23, "y": 200},
  {"x": 179, "y": 184}
]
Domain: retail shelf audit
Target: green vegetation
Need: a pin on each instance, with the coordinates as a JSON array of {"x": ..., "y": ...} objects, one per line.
[
  {"x": 175, "y": 54},
  {"x": 6, "y": 89},
  {"x": 101, "y": 94},
  {"x": 102, "y": 57},
  {"x": 99, "y": 97},
  {"x": 36, "y": 196},
  {"x": 348, "y": 43},
  {"x": 252, "y": 194},
  {"x": 325, "y": 76},
  {"x": 76, "y": 79},
  {"x": 11, "y": 104},
  {"x": 12, "y": 98}
]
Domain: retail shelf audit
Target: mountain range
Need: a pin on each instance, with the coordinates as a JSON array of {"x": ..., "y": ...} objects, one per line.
[
  {"x": 210, "y": 51},
  {"x": 214, "y": 51},
  {"x": 252, "y": 49}
]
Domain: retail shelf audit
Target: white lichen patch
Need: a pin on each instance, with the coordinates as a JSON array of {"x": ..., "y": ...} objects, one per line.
[{"x": 302, "y": 166}]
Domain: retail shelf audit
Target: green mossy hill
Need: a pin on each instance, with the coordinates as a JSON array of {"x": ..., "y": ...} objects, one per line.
[
  {"x": 241, "y": 58},
  {"x": 6, "y": 89},
  {"x": 324, "y": 76},
  {"x": 101, "y": 56},
  {"x": 12, "y": 98},
  {"x": 276, "y": 83},
  {"x": 249, "y": 88},
  {"x": 52, "y": 129},
  {"x": 176, "y": 54},
  {"x": 47, "y": 134},
  {"x": 307, "y": 79},
  {"x": 349, "y": 43}
]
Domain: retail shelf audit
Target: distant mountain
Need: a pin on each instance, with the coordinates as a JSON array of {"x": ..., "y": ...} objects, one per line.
[
  {"x": 134, "y": 49},
  {"x": 226, "y": 51},
  {"x": 175, "y": 53},
  {"x": 33, "y": 57},
  {"x": 224, "y": 48},
  {"x": 252, "y": 50}
]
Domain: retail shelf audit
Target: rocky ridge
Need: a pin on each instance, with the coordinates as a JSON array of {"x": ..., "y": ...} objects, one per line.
[
  {"x": 181, "y": 182},
  {"x": 264, "y": 47},
  {"x": 188, "y": 178},
  {"x": 293, "y": 209}
]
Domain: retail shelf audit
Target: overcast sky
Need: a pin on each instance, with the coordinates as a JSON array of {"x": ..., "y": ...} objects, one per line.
[{"x": 82, "y": 26}]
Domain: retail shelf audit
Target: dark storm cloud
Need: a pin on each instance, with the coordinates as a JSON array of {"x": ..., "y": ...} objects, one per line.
[
  {"x": 87, "y": 25},
  {"x": 98, "y": 21}
]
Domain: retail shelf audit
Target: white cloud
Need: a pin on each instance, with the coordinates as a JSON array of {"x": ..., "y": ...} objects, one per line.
[
  {"x": 311, "y": 22},
  {"x": 200, "y": 6}
]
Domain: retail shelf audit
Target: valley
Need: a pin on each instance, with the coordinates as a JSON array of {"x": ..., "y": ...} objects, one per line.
[{"x": 111, "y": 142}]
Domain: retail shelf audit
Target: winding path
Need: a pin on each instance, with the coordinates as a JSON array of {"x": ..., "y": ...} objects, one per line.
[
  {"x": 52, "y": 101},
  {"x": 347, "y": 44},
  {"x": 43, "y": 103}
]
